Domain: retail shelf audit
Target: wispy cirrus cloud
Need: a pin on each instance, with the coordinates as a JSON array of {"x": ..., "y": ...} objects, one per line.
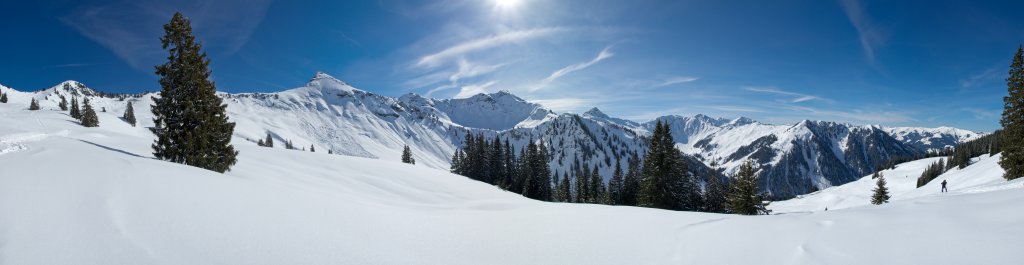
[
  {"x": 984, "y": 77},
  {"x": 854, "y": 115},
  {"x": 871, "y": 36},
  {"x": 601, "y": 56},
  {"x": 131, "y": 29},
  {"x": 676, "y": 80},
  {"x": 460, "y": 49},
  {"x": 797, "y": 97},
  {"x": 470, "y": 90}
]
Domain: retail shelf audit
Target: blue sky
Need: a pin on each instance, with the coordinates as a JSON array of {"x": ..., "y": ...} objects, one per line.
[{"x": 897, "y": 63}]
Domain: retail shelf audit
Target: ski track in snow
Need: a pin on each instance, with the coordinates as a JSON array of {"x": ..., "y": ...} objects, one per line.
[{"x": 16, "y": 142}]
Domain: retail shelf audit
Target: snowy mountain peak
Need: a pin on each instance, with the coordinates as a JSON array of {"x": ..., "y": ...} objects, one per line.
[
  {"x": 328, "y": 83},
  {"x": 596, "y": 113},
  {"x": 73, "y": 88},
  {"x": 741, "y": 121}
]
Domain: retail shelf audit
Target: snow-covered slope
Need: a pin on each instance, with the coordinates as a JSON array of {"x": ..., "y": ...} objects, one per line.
[
  {"x": 984, "y": 174},
  {"x": 327, "y": 113},
  {"x": 75, "y": 195}
]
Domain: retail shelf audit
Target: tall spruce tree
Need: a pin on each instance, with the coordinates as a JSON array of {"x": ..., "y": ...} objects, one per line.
[
  {"x": 1012, "y": 120},
  {"x": 89, "y": 118},
  {"x": 129, "y": 114},
  {"x": 191, "y": 123},
  {"x": 664, "y": 177},
  {"x": 33, "y": 105},
  {"x": 76, "y": 112},
  {"x": 881, "y": 193},
  {"x": 743, "y": 197},
  {"x": 406, "y": 156},
  {"x": 565, "y": 188}
]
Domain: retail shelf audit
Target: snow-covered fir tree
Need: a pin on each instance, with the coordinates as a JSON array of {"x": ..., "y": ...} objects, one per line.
[{"x": 33, "y": 105}]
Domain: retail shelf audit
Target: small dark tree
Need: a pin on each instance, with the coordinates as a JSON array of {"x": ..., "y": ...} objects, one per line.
[
  {"x": 312, "y": 148},
  {"x": 89, "y": 118},
  {"x": 615, "y": 184},
  {"x": 189, "y": 119},
  {"x": 3, "y": 97},
  {"x": 76, "y": 112},
  {"x": 407, "y": 156},
  {"x": 330, "y": 151},
  {"x": 63, "y": 103},
  {"x": 129, "y": 114},
  {"x": 33, "y": 105},
  {"x": 269, "y": 142},
  {"x": 881, "y": 194}
]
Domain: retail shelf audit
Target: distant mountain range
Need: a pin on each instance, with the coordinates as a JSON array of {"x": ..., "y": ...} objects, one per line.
[{"x": 327, "y": 113}]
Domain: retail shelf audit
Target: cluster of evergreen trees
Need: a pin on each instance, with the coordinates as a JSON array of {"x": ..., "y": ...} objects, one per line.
[
  {"x": 494, "y": 161},
  {"x": 931, "y": 172},
  {"x": 960, "y": 156},
  {"x": 659, "y": 180}
]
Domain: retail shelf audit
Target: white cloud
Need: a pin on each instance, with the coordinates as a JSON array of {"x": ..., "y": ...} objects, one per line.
[
  {"x": 470, "y": 90},
  {"x": 601, "y": 56},
  {"x": 564, "y": 104},
  {"x": 981, "y": 114},
  {"x": 988, "y": 76},
  {"x": 676, "y": 80},
  {"x": 798, "y": 97},
  {"x": 460, "y": 49},
  {"x": 871, "y": 37},
  {"x": 873, "y": 117}
]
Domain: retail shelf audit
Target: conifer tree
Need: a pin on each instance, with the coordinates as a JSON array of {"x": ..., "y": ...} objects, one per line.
[
  {"x": 312, "y": 149},
  {"x": 3, "y": 97},
  {"x": 583, "y": 184},
  {"x": 597, "y": 188},
  {"x": 631, "y": 183},
  {"x": 191, "y": 123},
  {"x": 1012, "y": 120},
  {"x": 330, "y": 151},
  {"x": 269, "y": 142},
  {"x": 129, "y": 114},
  {"x": 63, "y": 103},
  {"x": 714, "y": 193},
  {"x": 881, "y": 194},
  {"x": 457, "y": 163},
  {"x": 89, "y": 118},
  {"x": 33, "y": 105},
  {"x": 407, "y": 156},
  {"x": 76, "y": 112},
  {"x": 743, "y": 197},
  {"x": 565, "y": 189},
  {"x": 615, "y": 184},
  {"x": 664, "y": 176}
]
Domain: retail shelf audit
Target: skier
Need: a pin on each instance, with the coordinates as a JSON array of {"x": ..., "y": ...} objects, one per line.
[{"x": 944, "y": 186}]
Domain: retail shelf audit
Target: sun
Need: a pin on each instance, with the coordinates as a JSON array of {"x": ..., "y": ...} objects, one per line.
[{"x": 507, "y": 4}]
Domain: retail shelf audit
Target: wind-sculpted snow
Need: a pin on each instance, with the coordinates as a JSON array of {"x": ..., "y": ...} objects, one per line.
[
  {"x": 80, "y": 195},
  {"x": 329, "y": 114}
]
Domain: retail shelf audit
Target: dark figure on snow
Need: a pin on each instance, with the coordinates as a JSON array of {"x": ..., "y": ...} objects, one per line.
[{"x": 943, "y": 185}]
